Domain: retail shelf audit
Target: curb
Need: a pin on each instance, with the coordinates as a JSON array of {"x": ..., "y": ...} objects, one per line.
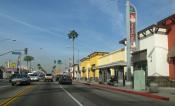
[{"x": 115, "y": 89}]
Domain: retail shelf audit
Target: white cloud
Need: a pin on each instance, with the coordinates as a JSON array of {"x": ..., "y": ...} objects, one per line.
[
  {"x": 28, "y": 24},
  {"x": 110, "y": 8}
]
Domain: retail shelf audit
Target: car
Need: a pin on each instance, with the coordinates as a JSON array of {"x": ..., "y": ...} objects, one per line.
[
  {"x": 11, "y": 77},
  {"x": 57, "y": 77},
  {"x": 34, "y": 77},
  {"x": 65, "y": 79},
  {"x": 19, "y": 79},
  {"x": 48, "y": 77}
]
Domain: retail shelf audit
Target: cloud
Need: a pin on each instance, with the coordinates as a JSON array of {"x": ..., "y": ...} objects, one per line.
[
  {"x": 110, "y": 8},
  {"x": 29, "y": 25}
]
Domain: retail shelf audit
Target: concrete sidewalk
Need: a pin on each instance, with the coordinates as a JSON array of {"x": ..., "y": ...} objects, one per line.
[{"x": 165, "y": 93}]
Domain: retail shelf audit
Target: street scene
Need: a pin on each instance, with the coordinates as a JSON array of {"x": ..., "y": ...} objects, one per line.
[{"x": 87, "y": 53}]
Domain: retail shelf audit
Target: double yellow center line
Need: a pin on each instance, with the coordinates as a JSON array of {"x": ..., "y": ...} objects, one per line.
[{"x": 8, "y": 101}]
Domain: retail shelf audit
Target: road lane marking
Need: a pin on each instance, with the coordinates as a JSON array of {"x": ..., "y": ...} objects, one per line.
[
  {"x": 8, "y": 101},
  {"x": 71, "y": 96},
  {"x": 5, "y": 86}
]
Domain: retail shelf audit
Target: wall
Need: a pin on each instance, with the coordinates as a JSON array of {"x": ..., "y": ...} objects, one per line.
[
  {"x": 157, "y": 49},
  {"x": 84, "y": 64},
  {"x": 171, "y": 43},
  {"x": 115, "y": 56}
]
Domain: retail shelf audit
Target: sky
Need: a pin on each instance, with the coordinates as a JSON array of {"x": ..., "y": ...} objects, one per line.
[{"x": 42, "y": 26}]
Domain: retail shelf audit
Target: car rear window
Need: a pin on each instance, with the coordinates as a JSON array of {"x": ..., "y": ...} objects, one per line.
[{"x": 48, "y": 74}]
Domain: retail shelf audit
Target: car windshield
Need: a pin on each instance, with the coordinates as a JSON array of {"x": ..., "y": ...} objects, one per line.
[{"x": 87, "y": 52}]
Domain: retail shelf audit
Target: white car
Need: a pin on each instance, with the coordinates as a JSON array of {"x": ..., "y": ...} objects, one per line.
[
  {"x": 49, "y": 77},
  {"x": 34, "y": 77}
]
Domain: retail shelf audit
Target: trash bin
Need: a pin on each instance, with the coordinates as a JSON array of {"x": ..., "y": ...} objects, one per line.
[{"x": 153, "y": 88}]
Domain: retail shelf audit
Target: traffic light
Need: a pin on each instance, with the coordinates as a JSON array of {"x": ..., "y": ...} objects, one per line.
[{"x": 25, "y": 51}]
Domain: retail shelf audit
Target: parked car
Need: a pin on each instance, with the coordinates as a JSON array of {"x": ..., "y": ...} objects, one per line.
[
  {"x": 49, "y": 77},
  {"x": 65, "y": 79},
  {"x": 34, "y": 77},
  {"x": 19, "y": 79}
]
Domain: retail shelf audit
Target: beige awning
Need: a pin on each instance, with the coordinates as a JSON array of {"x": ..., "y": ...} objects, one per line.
[{"x": 171, "y": 52}]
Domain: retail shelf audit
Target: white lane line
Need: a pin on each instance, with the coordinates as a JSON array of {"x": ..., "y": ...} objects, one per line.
[
  {"x": 4, "y": 86},
  {"x": 72, "y": 96}
]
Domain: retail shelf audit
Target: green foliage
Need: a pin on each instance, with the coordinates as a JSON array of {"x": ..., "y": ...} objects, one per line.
[
  {"x": 72, "y": 34},
  {"x": 28, "y": 58}
]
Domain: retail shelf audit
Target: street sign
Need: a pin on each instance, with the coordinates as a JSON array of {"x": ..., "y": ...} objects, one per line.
[{"x": 16, "y": 53}]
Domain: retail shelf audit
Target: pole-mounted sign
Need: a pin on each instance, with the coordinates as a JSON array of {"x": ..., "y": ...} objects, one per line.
[
  {"x": 16, "y": 53},
  {"x": 132, "y": 28}
]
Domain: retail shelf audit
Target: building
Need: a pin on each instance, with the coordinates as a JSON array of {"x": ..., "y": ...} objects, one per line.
[
  {"x": 169, "y": 23},
  {"x": 89, "y": 65},
  {"x": 113, "y": 65},
  {"x": 152, "y": 54},
  {"x": 84, "y": 64},
  {"x": 77, "y": 74}
]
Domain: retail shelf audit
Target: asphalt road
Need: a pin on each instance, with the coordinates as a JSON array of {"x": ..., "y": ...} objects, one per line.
[{"x": 53, "y": 94}]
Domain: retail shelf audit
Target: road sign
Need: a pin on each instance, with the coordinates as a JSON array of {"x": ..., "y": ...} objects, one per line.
[{"x": 16, "y": 53}]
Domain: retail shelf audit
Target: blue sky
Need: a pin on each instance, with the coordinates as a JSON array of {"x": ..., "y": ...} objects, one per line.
[{"x": 44, "y": 24}]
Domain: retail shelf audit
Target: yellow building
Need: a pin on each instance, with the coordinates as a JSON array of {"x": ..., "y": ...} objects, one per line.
[
  {"x": 84, "y": 63},
  {"x": 112, "y": 65},
  {"x": 89, "y": 65}
]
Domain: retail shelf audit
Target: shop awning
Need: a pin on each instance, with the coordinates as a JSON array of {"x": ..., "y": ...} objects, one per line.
[
  {"x": 120, "y": 63},
  {"x": 171, "y": 52}
]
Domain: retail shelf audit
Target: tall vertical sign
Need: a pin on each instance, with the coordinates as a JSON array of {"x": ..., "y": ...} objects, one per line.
[
  {"x": 132, "y": 28},
  {"x": 131, "y": 34}
]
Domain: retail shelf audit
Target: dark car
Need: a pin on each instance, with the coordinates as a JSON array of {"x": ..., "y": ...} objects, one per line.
[
  {"x": 57, "y": 77},
  {"x": 65, "y": 79},
  {"x": 19, "y": 79}
]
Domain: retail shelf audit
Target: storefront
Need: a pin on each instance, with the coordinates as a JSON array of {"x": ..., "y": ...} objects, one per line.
[
  {"x": 139, "y": 60},
  {"x": 112, "y": 66},
  {"x": 88, "y": 66},
  {"x": 113, "y": 70}
]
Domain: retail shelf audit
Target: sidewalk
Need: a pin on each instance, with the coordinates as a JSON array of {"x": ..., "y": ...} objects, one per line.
[{"x": 165, "y": 93}]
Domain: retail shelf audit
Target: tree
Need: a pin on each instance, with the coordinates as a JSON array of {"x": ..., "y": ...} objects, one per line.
[
  {"x": 39, "y": 66},
  {"x": 73, "y": 35},
  {"x": 28, "y": 59}
]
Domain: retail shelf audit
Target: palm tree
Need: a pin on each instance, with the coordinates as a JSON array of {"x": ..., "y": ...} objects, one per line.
[
  {"x": 39, "y": 66},
  {"x": 28, "y": 59},
  {"x": 73, "y": 35}
]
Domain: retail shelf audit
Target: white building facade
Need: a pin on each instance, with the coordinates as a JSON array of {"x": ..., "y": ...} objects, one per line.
[{"x": 153, "y": 40}]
